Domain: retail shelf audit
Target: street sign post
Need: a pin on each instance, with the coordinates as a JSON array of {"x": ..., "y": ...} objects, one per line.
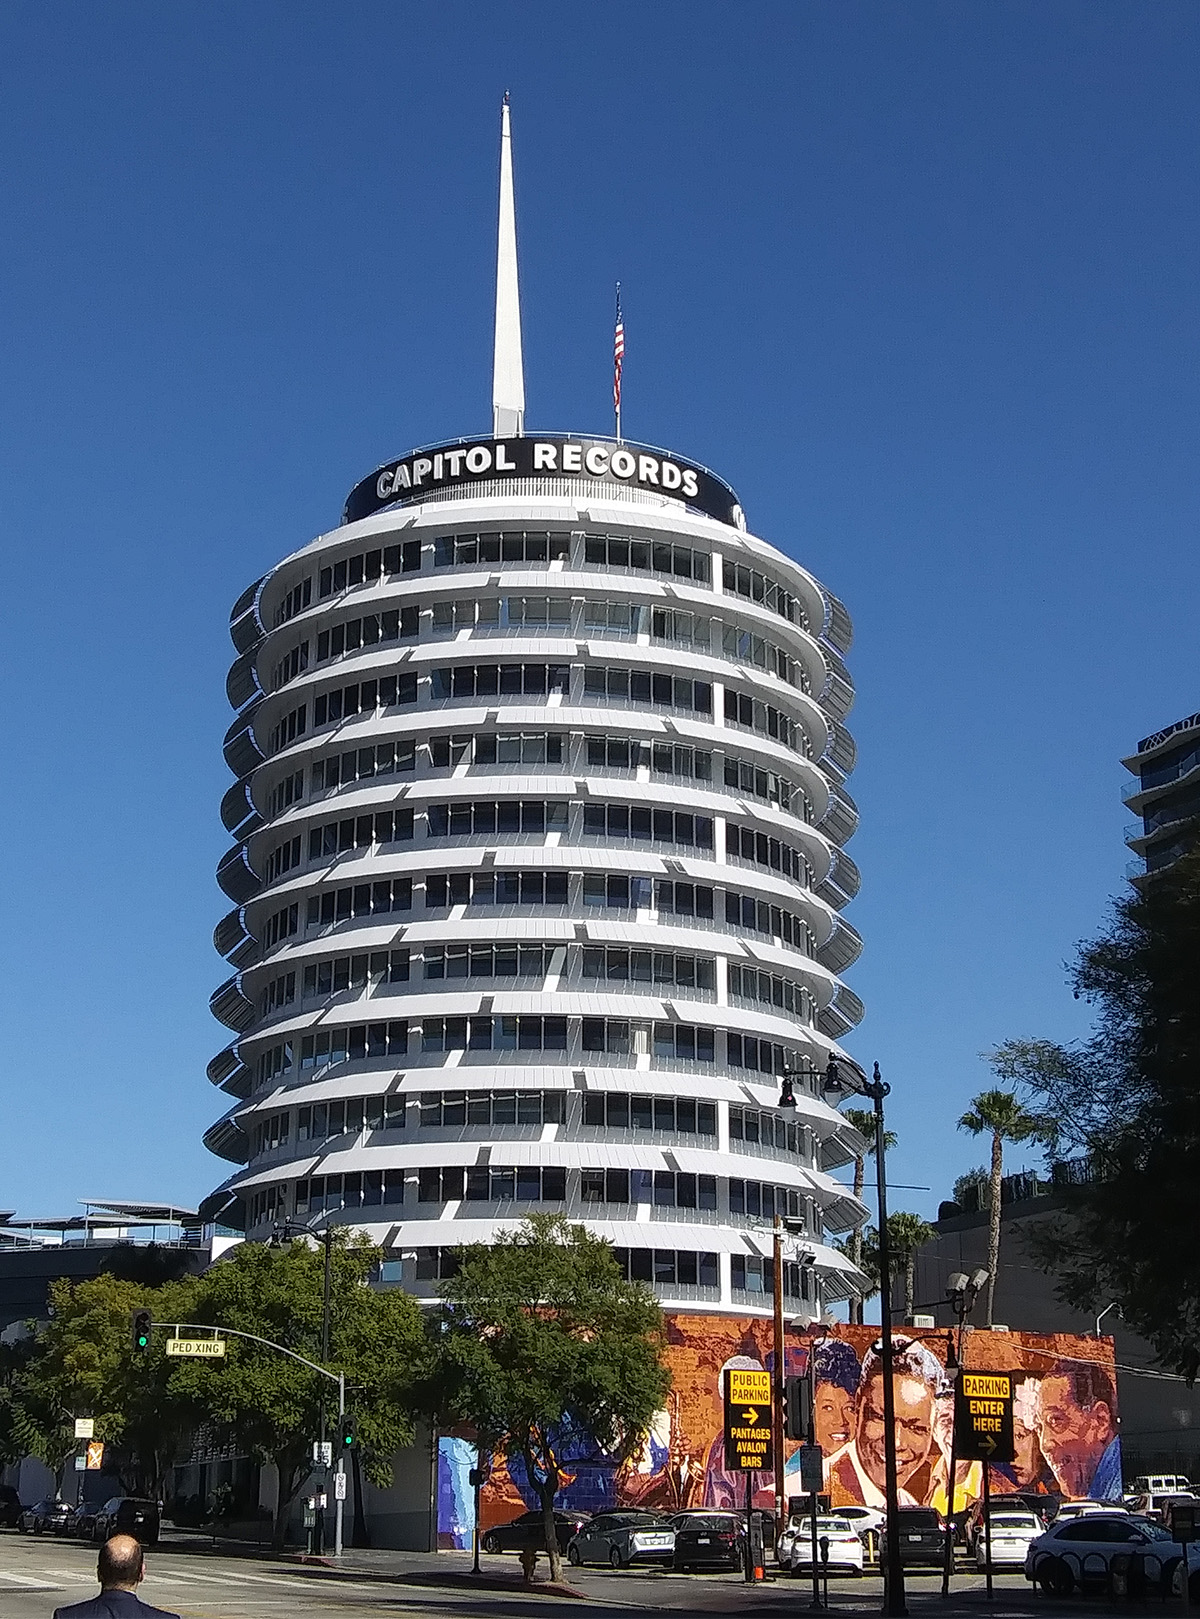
[
  {"x": 94, "y": 1457},
  {"x": 983, "y": 1432},
  {"x": 196, "y": 1348},
  {"x": 85, "y": 1427}
]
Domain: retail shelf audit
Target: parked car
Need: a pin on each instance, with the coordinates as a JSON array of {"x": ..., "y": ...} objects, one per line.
[
  {"x": 622, "y": 1538},
  {"x": 519, "y": 1534},
  {"x": 709, "y": 1539},
  {"x": 1011, "y": 1535},
  {"x": 1159, "y": 1484},
  {"x": 864, "y": 1520},
  {"x": 846, "y": 1555},
  {"x": 1154, "y": 1503},
  {"x": 1078, "y": 1549},
  {"x": 1043, "y": 1508},
  {"x": 44, "y": 1517},
  {"x": 922, "y": 1537},
  {"x": 121, "y": 1515},
  {"x": 10, "y": 1507},
  {"x": 1081, "y": 1509}
]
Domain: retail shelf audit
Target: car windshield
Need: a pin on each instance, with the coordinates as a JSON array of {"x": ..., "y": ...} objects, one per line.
[
  {"x": 833, "y": 1526},
  {"x": 1014, "y": 1520}
]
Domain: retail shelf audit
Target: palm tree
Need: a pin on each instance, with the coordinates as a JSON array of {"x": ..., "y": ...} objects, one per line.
[
  {"x": 999, "y": 1114},
  {"x": 906, "y": 1233},
  {"x": 860, "y": 1119}
]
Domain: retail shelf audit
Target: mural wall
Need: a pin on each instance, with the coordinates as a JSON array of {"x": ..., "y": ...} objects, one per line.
[{"x": 1065, "y": 1423}]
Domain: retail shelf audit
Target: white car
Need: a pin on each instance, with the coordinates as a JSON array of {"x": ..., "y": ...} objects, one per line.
[
  {"x": 1012, "y": 1534},
  {"x": 863, "y": 1520},
  {"x": 1077, "y": 1550},
  {"x": 1081, "y": 1509},
  {"x": 793, "y": 1550}
]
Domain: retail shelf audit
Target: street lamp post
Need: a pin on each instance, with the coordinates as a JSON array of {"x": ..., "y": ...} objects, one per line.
[
  {"x": 875, "y": 1090},
  {"x": 283, "y": 1231},
  {"x": 961, "y": 1292}
]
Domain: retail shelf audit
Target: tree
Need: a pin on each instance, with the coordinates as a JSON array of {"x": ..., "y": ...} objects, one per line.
[
  {"x": 271, "y": 1403},
  {"x": 1126, "y": 1101},
  {"x": 907, "y": 1233},
  {"x": 862, "y": 1120},
  {"x": 539, "y": 1337},
  {"x": 84, "y": 1364},
  {"x": 970, "y": 1181},
  {"x": 1001, "y": 1115}
]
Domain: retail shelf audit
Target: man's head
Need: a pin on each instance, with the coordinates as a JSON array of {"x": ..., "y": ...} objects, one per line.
[
  {"x": 835, "y": 1374},
  {"x": 121, "y": 1564},
  {"x": 1028, "y": 1463},
  {"x": 917, "y": 1380},
  {"x": 1076, "y": 1422}
]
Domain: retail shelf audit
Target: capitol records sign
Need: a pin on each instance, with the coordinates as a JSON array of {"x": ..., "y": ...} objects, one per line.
[{"x": 466, "y": 461}]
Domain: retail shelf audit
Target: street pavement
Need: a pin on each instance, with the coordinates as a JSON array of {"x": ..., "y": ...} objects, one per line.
[{"x": 185, "y": 1576}]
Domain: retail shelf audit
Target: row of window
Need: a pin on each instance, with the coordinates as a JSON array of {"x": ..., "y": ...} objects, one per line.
[
  {"x": 618, "y": 965},
  {"x": 744, "y": 843},
  {"x": 755, "y": 1197},
  {"x": 756, "y": 984},
  {"x": 670, "y": 897},
  {"x": 492, "y": 1183},
  {"x": 474, "y": 681},
  {"x": 600, "y": 550},
  {"x": 642, "y": 686},
  {"x": 393, "y": 624},
  {"x": 533, "y": 748},
  {"x": 292, "y": 663},
  {"x": 659, "y": 1267},
  {"x": 750, "y": 1274},
  {"x": 602, "y": 1110},
  {"x": 369, "y": 567},
  {"x": 664, "y": 1041},
  {"x": 359, "y": 832},
  {"x": 649, "y": 825}
]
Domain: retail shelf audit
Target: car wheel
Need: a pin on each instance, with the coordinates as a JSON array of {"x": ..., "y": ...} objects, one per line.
[
  {"x": 490, "y": 1543},
  {"x": 573, "y": 1556},
  {"x": 22, "y": 1527},
  {"x": 1061, "y": 1580},
  {"x": 615, "y": 1558},
  {"x": 38, "y": 1526}
]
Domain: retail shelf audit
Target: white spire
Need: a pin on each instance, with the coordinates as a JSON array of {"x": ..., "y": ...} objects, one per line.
[{"x": 508, "y": 372}]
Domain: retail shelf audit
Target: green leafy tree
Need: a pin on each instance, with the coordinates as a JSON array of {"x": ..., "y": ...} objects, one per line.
[
  {"x": 906, "y": 1233},
  {"x": 862, "y": 1120},
  {"x": 1127, "y": 1103},
  {"x": 540, "y": 1335},
  {"x": 968, "y": 1182},
  {"x": 999, "y": 1114},
  {"x": 84, "y": 1364},
  {"x": 271, "y": 1403}
]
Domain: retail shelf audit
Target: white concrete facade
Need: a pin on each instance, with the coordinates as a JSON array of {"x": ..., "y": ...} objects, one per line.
[{"x": 538, "y": 879}]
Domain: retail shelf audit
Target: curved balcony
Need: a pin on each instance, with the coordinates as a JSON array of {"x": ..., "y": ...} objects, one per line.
[
  {"x": 230, "y": 1007},
  {"x": 237, "y": 877},
  {"x": 238, "y": 813},
  {"x": 245, "y": 627},
  {"x": 228, "y": 1140},
  {"x": 842, "y": 881},
  {"x": 242, "y": 752},
  {"x": 241, "y": 683},
  {"x": 843, "y": 947},
  {"x": 837, "y": 630},
  {"x": 840, "y": 821}
]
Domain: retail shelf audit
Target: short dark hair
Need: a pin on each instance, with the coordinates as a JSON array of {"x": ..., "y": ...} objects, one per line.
[
  {"x": 1089, "y": 1383},
  {"x": 121, "y": 1561}
]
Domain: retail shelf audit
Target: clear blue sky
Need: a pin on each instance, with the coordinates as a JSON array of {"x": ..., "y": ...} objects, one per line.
[{"x": 920, "y": 280}]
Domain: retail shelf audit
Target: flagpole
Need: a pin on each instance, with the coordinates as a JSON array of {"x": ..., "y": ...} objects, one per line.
[{"x": 618, "y": 361}]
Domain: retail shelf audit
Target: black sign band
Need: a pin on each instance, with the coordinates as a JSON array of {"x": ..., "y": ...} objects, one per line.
[{"x": 467, "y": 461}]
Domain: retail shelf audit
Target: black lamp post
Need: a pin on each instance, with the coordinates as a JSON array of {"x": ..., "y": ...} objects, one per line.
[
  {"x": 875, "y": 1089},
  {"x": 283, "y": 1232},
  {"x": 961, "y": 1293}
]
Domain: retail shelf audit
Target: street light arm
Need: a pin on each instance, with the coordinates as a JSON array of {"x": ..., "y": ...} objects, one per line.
[{"x": 233, "y": 1332}]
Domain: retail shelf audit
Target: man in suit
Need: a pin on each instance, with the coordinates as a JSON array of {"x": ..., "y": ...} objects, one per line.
[{"x": 119, "y": 1570}]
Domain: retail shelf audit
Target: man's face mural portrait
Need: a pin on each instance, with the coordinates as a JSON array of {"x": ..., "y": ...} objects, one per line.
[
  {"x": 1076, "y": 1423},
  {"x": 915, "y": 1383}
]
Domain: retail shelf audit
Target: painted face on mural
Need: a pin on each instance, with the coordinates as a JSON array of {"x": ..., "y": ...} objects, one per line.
[
  {"x": 1073, "y": 1436},
  {"x": 914, "y": 1428},
  {"x": 833, "y": 1416}
]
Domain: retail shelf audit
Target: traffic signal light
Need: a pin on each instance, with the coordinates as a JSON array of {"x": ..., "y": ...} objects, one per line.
[
  {"x": 140, "y": 1323},
  {"x": 797, "y": 1408},
  {"x": 347, "y": 1434}
]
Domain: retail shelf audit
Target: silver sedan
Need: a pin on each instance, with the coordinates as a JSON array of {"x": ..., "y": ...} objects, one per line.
[{"x": 622, "y": 1538}]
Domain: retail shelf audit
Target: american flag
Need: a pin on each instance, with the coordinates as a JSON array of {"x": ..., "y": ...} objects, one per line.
[{"x": 618, "y": 355}]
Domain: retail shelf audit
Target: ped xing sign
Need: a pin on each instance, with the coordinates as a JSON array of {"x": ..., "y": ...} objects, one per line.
[
  {"x": 983, "y": 1417},
  {"x": 748, "y": 1447},
  {"x": 196, "y": 1348}
]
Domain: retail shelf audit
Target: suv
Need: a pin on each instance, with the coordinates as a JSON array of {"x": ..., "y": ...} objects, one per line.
[
  {"x": 122, "y": 1515},
  {"x": 922, "y": 1536}
]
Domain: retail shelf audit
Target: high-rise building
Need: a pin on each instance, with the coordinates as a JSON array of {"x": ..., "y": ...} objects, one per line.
[
  {"x": 539, "y": 868},
  {"x": 1165, "y": 795}
]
